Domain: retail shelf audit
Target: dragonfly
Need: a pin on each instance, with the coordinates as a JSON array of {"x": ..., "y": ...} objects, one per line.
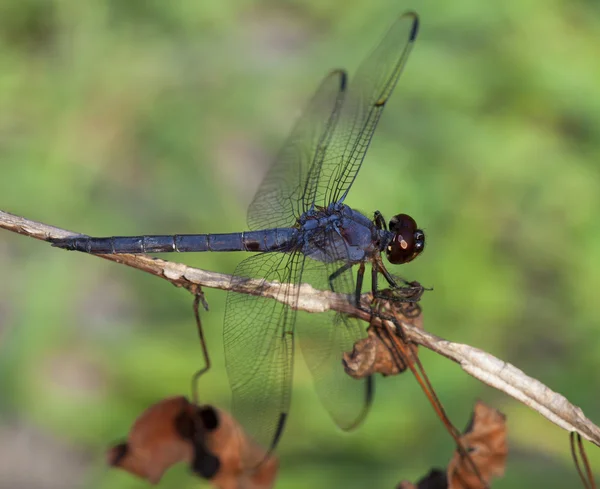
[{"x": 301, "y": 231}]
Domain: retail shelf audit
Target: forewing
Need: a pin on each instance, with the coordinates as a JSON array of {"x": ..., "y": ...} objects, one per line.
[
  {"x": 324, "y": 339},
  {"x": 292, "y": 179},
  {"x": 367, "y": 95},
  {"x": 259, "y": 347}
]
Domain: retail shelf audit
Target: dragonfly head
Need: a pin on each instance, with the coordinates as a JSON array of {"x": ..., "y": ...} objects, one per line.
[{"x": 407, "y": 242}]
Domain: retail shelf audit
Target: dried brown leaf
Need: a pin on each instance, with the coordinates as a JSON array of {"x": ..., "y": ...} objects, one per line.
[
  {"x": 155, "y": 441},
  {"x": 209, "y": 440},
  {"x": 485, "y": 440},
  {"x": 377, "y": 353},
  {"x": 244, "y": 464}
]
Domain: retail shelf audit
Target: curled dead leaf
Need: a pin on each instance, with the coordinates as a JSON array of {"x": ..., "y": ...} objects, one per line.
[
  {"x": 209, "y": 440},
  {"x": 485, "y": 442},
  {"x": 162, "y": 436},
  {"x": 377, "y": 353},
  {"x": 373, "y": 354},
  {"x": 244, "y": 464}
]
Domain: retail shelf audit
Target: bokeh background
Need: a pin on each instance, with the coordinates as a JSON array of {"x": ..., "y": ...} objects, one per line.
[{"x": 144, "y": 116}]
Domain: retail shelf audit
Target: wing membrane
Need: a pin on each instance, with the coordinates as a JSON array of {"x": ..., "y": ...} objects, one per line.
[
  {"x": 368, "y": 93},
  {"x": 289, "y": 186},
  {"x": 324, "y": 338},
  {"x": 316, "y": 166},
  {"x": 259, "y": 347},
  {"x": 321, "y": 158}
]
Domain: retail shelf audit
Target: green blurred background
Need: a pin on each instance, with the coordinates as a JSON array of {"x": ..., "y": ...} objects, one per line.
[{"x": 145, "y": 116}]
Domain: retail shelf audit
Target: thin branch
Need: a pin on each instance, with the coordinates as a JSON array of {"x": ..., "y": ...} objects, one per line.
[{"x": 477, "y": 363}]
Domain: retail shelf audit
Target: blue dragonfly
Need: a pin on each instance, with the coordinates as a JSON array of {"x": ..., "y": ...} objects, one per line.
[{"x": 301, "y": 231}]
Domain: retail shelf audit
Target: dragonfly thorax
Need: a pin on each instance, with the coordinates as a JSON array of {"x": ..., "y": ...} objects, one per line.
[{"x": 337, "y": 233}]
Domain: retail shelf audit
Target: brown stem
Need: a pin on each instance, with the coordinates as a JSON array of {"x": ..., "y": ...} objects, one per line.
[{"x": 477, "y": 363}]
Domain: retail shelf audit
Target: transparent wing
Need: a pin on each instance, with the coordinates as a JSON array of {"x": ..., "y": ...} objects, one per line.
[
  {"x": 321, "y": 158},
  {"x": 291, "y": 180},
  {"x": 324, "y": 338},
  {"x": 259, "y": 347},
  {"x": 369, "y": 90}
]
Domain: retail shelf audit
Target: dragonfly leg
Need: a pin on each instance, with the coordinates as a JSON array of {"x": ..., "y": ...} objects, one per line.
[
  {"x": 387, "y": 275},
  {"x": 378, "y": 268},
  {"x": 374, "y": 278},
  {"x": 359, "y": 283},
  {"x": 379, "y": 221},
  {"x": 393, "y": 281},
  {"x": 403, "y": 290}
]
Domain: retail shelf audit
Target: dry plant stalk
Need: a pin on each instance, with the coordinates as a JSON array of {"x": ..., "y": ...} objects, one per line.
[
  {"x": 388, "y": 351},
  {"x": 477, "y": 363},
  {"x": 581, "y": 461}
]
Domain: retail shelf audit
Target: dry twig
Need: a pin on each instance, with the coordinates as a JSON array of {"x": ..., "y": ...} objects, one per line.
[{"x": 477, "y": 363}]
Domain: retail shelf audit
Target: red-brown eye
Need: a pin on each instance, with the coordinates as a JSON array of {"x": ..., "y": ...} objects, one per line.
[{"x": 408, "y": 241}]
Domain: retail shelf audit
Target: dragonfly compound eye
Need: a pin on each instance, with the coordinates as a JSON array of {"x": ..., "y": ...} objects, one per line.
[{"x": 408, "y": 241}]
